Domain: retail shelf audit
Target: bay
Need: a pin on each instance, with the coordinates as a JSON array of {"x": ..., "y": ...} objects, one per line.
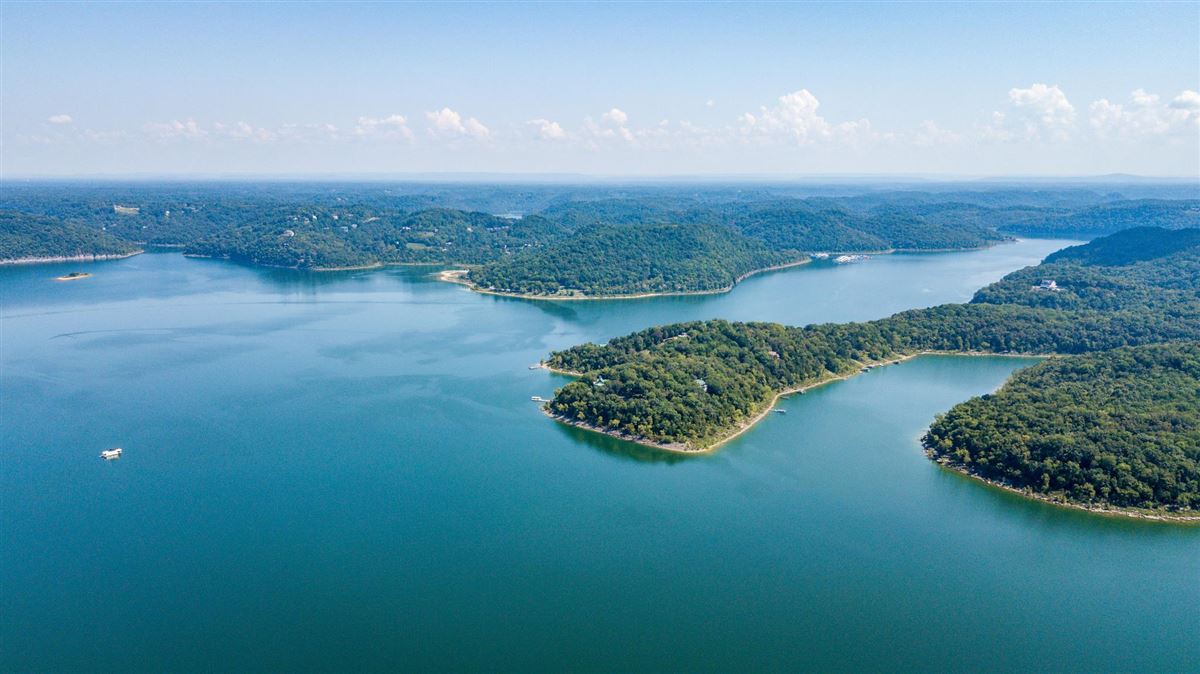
[{"x": 344, "y": 471}]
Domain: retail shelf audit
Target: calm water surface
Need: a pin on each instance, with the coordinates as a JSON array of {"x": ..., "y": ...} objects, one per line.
[{"x": 345, "y": 471}]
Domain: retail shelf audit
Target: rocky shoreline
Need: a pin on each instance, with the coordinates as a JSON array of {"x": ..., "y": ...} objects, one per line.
[
  {"x": 71, "y": 258},
  {"x": 1162, "y": 516}
]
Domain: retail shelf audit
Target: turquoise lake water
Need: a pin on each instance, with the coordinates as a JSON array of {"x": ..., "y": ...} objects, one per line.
[{"x": 344, "y": 471}]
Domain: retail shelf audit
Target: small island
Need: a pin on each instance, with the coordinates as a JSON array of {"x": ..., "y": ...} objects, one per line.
[{"x": 73, "y": 276}]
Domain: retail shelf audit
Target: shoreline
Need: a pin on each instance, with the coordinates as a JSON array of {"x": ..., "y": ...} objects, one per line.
[
  {"x": 199, "y": 256},
  {"x": 50, "y": 259},
  {"x": 457, "y": 276},
  {"x": 361, "y": 267},
  {"x": 1133, "y": 513},
  {"x": 680, "y": 448}
]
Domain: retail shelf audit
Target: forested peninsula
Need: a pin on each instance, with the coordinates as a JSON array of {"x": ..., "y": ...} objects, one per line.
[
  {"x": 1113, "y": 429},
  {"x": 691, "y": 386}
]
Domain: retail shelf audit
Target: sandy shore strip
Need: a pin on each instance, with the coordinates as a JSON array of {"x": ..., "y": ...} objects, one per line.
[{"x": 1159, "y": 516}]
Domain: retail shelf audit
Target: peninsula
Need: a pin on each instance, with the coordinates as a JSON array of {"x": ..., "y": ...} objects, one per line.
[{"x": 692, "y": 386}]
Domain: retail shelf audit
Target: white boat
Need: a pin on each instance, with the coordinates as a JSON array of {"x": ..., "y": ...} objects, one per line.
[
  {"x": 847, "y": 259},
  {"x": 111, "y": 454},
  {"x": 538, "y": 399}
]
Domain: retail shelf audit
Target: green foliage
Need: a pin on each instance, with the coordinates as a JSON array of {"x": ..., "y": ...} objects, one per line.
[
  {"x": 630, "y": 259},
  {"x": 324, "y": 239},
  {"x": 31, "y": 236},
  {"x": 1143, "y": 267},
  {"x": 649, "y": 388},
  {"x": 1118, "y": 428},
  {"x": 1111, "y": 217},
  {"x": 1138, "y": 244}
]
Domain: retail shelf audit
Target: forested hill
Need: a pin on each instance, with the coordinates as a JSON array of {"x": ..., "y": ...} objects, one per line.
[
  {"x": 809, "y": 225},
  {"x": 633, "y": 259},
  {"x": 1116, "y": 428},
  {"x": 1143, "y": 268},
  {"x": 691, "y": 385},
  {"x": 652, "y": 249},
  {"x": 24, "y": 236},
  {"x": 1132, "y": 245},
  {"x": 331, "y": 239},
  {"x": 1107, "y": 218}
]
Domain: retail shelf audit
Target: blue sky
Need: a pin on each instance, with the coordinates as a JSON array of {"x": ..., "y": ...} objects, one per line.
[{"x": 614, "y": 88}]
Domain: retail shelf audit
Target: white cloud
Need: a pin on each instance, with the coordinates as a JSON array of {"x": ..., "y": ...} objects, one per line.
[
  {"x": 1188, "y": 100},
  {"x": 795, "y": 116},
  {"x": 1039, "y": 112},
  {"x": 244, "y": 131},
  {"x": 59, "y": 119},
  {"x": 175, "y": 128},
  {"x": 548, "y": 130},
  {"x": 616, "y": 116},
  {"x": 390, "y": 127},
  {"x": 322, "y": 131},
  {"x": 475, "y": 128},
  {"x": 929, "y": 134},
  {"x": 709, "y": 103},
  {"x": 103, "y": 137},
  {"x": 614, "y": 126},
  {"x": 446, "y": 122},
  {"x": 1145, "y": 115}
]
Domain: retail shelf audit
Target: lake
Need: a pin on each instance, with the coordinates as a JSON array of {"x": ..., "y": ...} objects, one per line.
[{"x": 344, "y": 471}]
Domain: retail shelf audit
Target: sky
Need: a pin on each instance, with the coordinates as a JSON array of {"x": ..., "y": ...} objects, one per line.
[{"x": 604, "y": 89}]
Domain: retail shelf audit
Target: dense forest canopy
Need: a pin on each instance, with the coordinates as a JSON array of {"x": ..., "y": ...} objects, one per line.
[
  {"x": 32, "y": 236},
  {"x": 1111, "y": 217},
  {"x": 631, "y": 259},
  {"x": 692, "y": 384},
  {"x": 1118, "y": 428}
]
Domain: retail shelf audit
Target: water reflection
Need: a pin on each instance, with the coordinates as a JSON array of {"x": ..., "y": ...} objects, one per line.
[
  {"x": 1035, "y": 513},
  {"x": 622, "y": 449}
]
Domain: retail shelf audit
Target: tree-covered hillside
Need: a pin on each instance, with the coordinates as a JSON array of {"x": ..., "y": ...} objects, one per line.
[
  {"x": 329, "y": 238},
  {"x": 29, "y": 236},
  {"x": 1118, "y": 428},
  {"x": 1110, "y": 217},
  {"x": 631, "y": 259},
  {"x": 1142, "y": 267}
]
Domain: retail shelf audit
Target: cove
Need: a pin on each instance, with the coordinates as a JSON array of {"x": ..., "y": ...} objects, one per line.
[{"x": 344, "y": 471}]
